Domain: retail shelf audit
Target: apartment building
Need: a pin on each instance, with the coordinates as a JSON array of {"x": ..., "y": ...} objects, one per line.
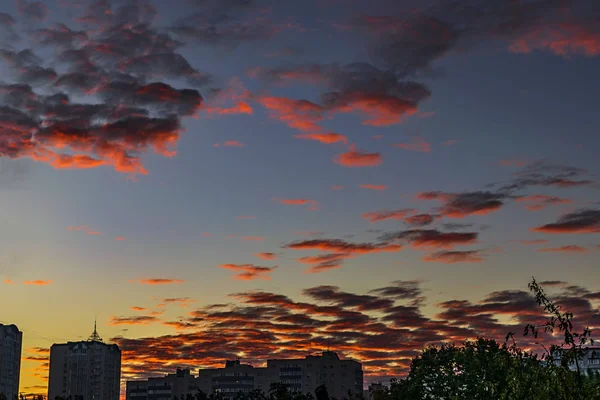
[
  {"x": 11, "y": 339},
  {"x": 166, "y": 387},
  {"x": 86, "y": 370},
  {"x": 302, "y": 375}
]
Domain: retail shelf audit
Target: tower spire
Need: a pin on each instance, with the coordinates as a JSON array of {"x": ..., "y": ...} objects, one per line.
[{"x": 95, "y": 337}]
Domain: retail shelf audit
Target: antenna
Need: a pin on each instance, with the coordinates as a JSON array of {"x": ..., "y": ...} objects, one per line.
[{"x": 95, "y": 337}]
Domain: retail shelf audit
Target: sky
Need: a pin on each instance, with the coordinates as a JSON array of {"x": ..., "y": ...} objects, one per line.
[{"x": 213, "y": 179}]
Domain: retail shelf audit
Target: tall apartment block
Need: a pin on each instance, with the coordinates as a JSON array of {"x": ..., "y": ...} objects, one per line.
[
  {"x": 11, "y": 340},
  {"x": 341, "y": 377},
  {"x": 167, "y": 387},
  {"x": 86, "y": 370}
]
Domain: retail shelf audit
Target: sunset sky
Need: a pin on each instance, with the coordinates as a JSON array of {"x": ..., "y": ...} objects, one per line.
[{"x": 214, "y": 179}]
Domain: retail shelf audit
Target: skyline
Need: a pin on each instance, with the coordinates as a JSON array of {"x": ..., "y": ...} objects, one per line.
[{"x": 323, "y": 173}]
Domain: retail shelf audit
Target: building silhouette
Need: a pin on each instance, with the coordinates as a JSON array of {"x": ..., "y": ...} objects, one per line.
[
  {"x": 167, "y": 387},
  {"x": 11, "y": 340},
  {"x": 343, "y": 379},
  {"x": 86, "y": 370}
]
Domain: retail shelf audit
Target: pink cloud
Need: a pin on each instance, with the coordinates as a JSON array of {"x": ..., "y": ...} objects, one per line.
[
  {"x": 354, "y": 158},
  {"x": 417, "y": 144},
  {"x": 373, "y": 187}
]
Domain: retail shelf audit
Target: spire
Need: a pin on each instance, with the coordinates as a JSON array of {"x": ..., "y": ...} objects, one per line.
[{"x": 95, "y": 337}]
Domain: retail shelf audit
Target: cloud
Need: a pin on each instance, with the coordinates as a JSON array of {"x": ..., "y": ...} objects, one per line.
[
  {"x": 461, "y": 205},
  {"x": 425, "y": 238},
  {"x": 355, "y": 158},
  {"x": 454, "y": 257},
  {"x": 580, "y": 221},
  {"x": 266, "y": 256},
  {"x": 136, "y": 308},
  {"x": 158, "y": 281},
  {"x": 540, "y": 202},
  {"x": 375, "y": 326},
  {"x": 252, "y": 238},
  {"x": 136, "y": 320},
  {"x": 377, "y": 96},
  {"x": 417, "y": 144},
  {"x": 421, "y": 219},
  {"x": 38, "y": 282},
  {"x": 230, "y": 143},
  {"x": 561, "y": 40},
  {"x": 97, "y": 97},
  {"x": 180, "y": 301},
  {"x": 383, "y": 215},
  {"x": 248, "y": 272},
  {"x": 302, "y": 115},
  {"x": 299, "y": 202},
  {"x": 564, "y": 249},
  {"x": 372, "y": 187},
  {"x": 120, "y": 238},
  {"x": 337, "y": 250},
  {"x": 542, "y": 173},
  {"x": 324, "y": 262},
  {"x": 337, "y": 187},
  {"x": 84, "y": 228},
  {"x": 341, "y": 246},
  {"x": 327, "y": 138}
]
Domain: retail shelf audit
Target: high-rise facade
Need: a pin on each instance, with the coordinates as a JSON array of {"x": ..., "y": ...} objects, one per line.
[
  {"x": 11, "y": 340},
  {"x": 340, "y": 377},
  {"x": 86, "y": 370},
  {"x": 166, "y": 387}
]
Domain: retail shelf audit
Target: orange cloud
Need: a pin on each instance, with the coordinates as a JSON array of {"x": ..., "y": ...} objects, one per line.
[
  {"x": 539, "y": 202},
  {"x": 136, "y": 320},
  {"x": 136, "y": 308},
  {"x": 38, "y": 282},
  {"x": 84, "y": 228},
  {"x": 354, "y": 158},
  {"x": 8, "y": 281},
  {"x": 373, "y": 187},
  {"x": 417, "y": 144},
  {"x": 299, "y": 202},
  {"x": 266, "y": 256},
  {"x": 158, "y": 281},
  {"x": 564, "y": 249},
  {"x": 327, "y": 138},
  {"x": 235, "y": 92},
  {"x": 120, "y": 238},
  {"x": 302, "y": 115},
  {"x": 230, "y": 143},
  {"x": 380, "y": 109},
  {"x": 252, "y": 238},
  {"x": 341, "y": 246},
  {"x": 376, "y": 216},
  {"x": 324, "y": 262},
  {"x": 561, "y": 40},
  {"x": 248, "y": 272},
  {"x": 580, "y": 221},
  {"x": 454, "y": 257}
]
